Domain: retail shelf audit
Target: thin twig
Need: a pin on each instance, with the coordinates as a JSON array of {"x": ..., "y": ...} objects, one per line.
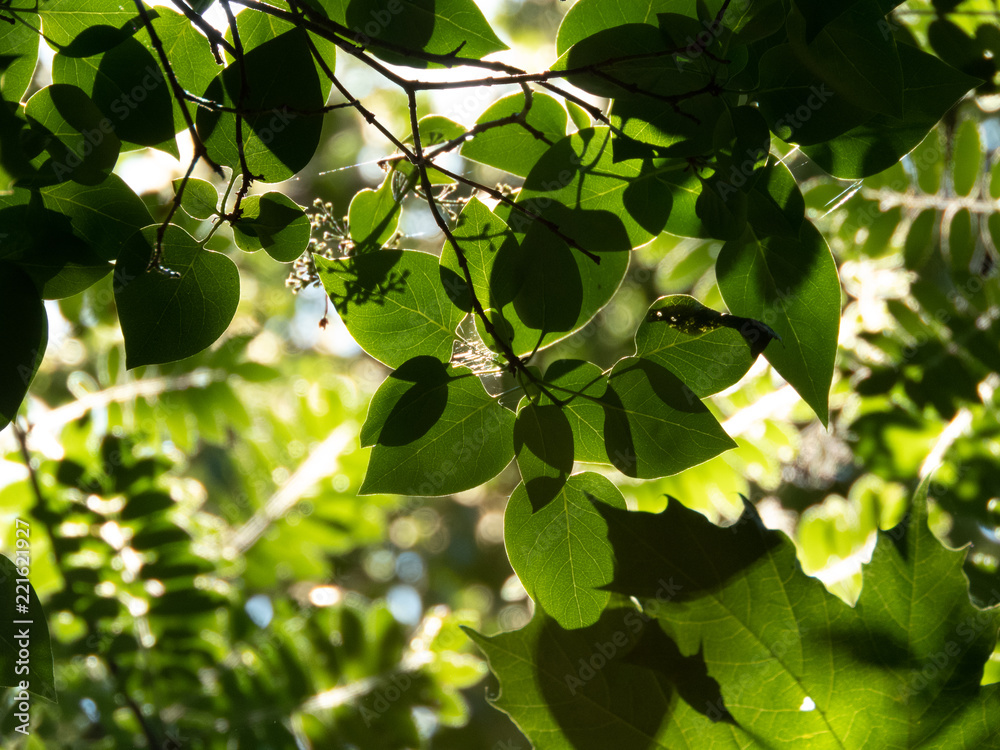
[
  {"x": 248, "y": 176},
  {"x": 200, "y": 151},
  {"x": 216, "y": 38}
]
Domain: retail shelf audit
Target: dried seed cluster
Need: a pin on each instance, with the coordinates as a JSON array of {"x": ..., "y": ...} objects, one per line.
[{"x": 330, "y": 239}]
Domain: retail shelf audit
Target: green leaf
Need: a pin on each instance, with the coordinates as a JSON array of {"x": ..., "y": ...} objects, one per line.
[
  {"x": 373, "y": 217},
  {"x": 798, "y": 104},
  {"x": 79, "y": 139},
  {"x": 435, "y": 430},
  {"x": 282, "y": 127},
  {"x": 547, "y": 290},
  {"x": 908, "y": 658},
  {"x": 64, "y": 20},
  {"x": 43, "y": 244},
  {"x": 433, "y": 130},
  {"x": 559, "y": 549},
  {"x": 707, "y": 350},
  {"x": 517, "y": 147},
  {"x": 184, "y": 603},
  {"x": 790, "y": 285},
  {"x": 752, "y": 21},
  {"x": 723, "y": 217},
  {"x": 818, "y": 14},
  {"x": 24, "y": 343},
  {"x": 683, "y": 131},
  {"x": 104, "y": 215},
  {"x": 633, "y": 58},
  {"x": 190, "y": 56},
  {"x": 145, "y": 504},
  {"x": 855, "y": 54},
  {"x": 543, "y": 447},
  {"x": 686, "y": 187},
  {"x": 604, "y": 205},
  {"x": 544, "y": 287},
  {"x": 972, "y": 55},
  {"x": 16, "y": 152},
  {"x": 200, "y": 199},
  {"x": 439, "y": 27},
  {"x": 589, "y": 17},
  {"x": 129, "y": 88},
  {"x": 620, "y": 683},
  {"x": 959, "y": 243},
  {"x": 166, "y": 317},
  {"x": 775, "y": 205},
  {"x": 275, "y": 222},
  {"x": 579, "y": 385},
  {"x": 930, "y": 89},
  {"x": 742, "y": 144},
  {"x": 966, "y": 158},
  {"x": 257, "y": 28},
  {"x": 481, "y": 235},
  {"x": 19, "y": 43},
  {"x": 654, "y": 424},
  {"x": 26, "y": 662},
  {"x": 393, "y": 303}
]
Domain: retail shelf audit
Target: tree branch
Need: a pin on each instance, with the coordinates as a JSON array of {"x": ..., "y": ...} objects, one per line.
[{"x": 200, "y": 152}]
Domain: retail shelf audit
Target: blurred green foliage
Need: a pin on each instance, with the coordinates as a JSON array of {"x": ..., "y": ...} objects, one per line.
[{"x": 209, "y": 574}]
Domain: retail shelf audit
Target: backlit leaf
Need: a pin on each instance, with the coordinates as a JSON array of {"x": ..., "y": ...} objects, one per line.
[
  {"x": 790, "y": 285},
  {"x": 435, "y": 430},
  {"x": 560, "y": 550},
  {"x": 164, "y": 317},
  {"x": 393, "y": 303}
]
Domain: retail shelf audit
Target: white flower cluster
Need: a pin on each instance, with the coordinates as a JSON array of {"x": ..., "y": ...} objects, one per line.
[{"x": 330, "y": 239}]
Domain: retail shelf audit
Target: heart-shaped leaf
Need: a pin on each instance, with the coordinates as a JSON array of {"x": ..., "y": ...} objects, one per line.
[{"x": 174, "y": 313}]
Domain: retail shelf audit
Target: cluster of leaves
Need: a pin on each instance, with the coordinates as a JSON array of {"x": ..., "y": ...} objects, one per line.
[
  {"x": 700, "y": 94},
  {"x": 144, "y": 610},
  {"x": 735, "y": 646}
]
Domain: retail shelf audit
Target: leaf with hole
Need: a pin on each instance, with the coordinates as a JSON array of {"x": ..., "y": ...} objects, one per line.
[{"x": 707, "y": 350}]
